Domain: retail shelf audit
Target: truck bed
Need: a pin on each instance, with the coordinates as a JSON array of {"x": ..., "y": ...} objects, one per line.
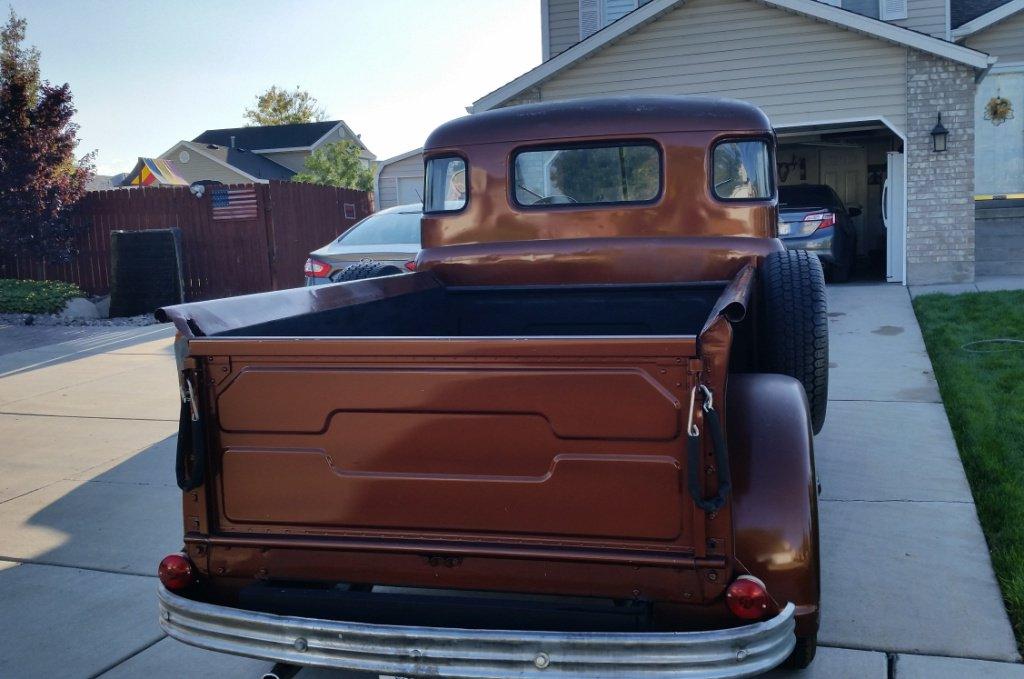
[
  {"x": 520, "y": 311},
  {"x": 396, "y": 414}
]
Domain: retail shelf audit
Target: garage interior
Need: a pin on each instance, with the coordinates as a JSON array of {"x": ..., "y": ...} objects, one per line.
[{"x": 854, "y": 159}]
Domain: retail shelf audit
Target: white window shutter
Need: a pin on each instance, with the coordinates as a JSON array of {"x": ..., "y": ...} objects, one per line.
[
  {"x": 892, "y": 10},
  {"x": 590, "y": 18},
  {"x": 616, "y": 9}
]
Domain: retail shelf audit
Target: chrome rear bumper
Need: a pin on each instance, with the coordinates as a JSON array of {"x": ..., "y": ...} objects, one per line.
[{"x": 479, "y": 654}]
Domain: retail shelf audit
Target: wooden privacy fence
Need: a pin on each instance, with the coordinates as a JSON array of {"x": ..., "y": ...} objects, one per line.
[{"x": 236, "y": 239}]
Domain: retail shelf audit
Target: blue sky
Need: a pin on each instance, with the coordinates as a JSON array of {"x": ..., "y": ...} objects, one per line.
[{"x": 147, "y": 74}]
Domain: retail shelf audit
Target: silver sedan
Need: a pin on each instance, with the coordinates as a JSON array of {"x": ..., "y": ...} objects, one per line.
[{"x": 391, "y": 237}]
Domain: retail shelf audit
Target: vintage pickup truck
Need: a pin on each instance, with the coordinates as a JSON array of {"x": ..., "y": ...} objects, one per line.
[{"x": 577, "y": 441}]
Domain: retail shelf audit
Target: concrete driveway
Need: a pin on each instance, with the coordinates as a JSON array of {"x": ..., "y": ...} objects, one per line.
[{"x": 88, "y": 506}]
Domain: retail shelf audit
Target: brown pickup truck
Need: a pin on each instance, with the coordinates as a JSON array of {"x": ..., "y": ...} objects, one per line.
[{"x": 577, "y": 441}]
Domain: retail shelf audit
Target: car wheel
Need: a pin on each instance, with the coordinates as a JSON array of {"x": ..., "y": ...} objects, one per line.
[
  {"x": 794, "y": 325},
  {"x": 803, "y": 653},
  {"x": 366, "y": 269},
  {"x": 843, "y": 267}
]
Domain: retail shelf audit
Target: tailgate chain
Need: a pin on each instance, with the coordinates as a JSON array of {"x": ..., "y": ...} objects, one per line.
[{"x": 693, "y": 448}]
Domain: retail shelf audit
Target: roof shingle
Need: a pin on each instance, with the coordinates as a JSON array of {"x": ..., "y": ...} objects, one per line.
[
  {"x": 296, "y": 135},
  {"x": 962, "y": 11},
  {"x": 248, "y": 162}
]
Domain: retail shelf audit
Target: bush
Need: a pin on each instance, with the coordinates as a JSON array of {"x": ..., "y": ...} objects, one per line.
[{"x": 35, "y": 297}]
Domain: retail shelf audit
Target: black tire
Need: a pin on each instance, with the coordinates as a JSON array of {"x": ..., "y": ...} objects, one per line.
[
  {"x": 367, "y": 268},
  {"x": 794, "y": 325},
  {"x": 843, "y": 268},
  {"x": 803, "y": 654}
]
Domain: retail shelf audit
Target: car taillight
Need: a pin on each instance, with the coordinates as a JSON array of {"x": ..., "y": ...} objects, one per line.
[
  {"x": 747, "y": 598},
  {"x": 176, "y": 572},
  {"x": 411, "y": 266},
  {"x": 817, "y": 222},
  {"x": 316, "y": 269}
]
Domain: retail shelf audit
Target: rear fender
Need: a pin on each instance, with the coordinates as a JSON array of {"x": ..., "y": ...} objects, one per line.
[{"x": 775, "y": 507}]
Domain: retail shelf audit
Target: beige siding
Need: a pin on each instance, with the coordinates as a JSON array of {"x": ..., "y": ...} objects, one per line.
[
  {"x": 387, "y": 187},
  {"x": 563, "y": 25},
  {"x": 748, "y": 51},
  {"x": 387, "y": 182},
  {"x": 200, "y": 167},
  {"x": 339, "y": 135},
  {"x": 293, "y": 160},
  {"x": 1004, "y": 40},
  {"x": 925, "y": 16}
]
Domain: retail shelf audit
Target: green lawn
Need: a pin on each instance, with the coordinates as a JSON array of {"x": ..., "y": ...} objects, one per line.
[{"x": 984, "y": 397}]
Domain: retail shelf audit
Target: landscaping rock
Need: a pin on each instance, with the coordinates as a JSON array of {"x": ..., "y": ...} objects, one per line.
[
  {"x": 103, "y": 306},
  {"x": 79, "y": 308}
]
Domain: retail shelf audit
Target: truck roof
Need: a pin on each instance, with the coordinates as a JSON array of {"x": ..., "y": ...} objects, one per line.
[{"x": 598, "y": 117}]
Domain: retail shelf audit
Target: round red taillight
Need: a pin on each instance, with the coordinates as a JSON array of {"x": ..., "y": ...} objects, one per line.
[
  {"x": 747, "y": 598},
  {"x": 176, "y": 572}
]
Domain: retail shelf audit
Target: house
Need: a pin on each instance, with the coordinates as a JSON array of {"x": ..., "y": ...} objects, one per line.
[
  {"x": 860, "y": 92},
  {"x": 256, "y": 154},
  {"x": 997, "y": 28},
  {"x": 399, "y": 180}
]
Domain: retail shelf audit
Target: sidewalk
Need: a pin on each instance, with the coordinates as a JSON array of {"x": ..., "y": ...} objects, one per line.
[
  {"x": 906, "y": 578},
  {"x": 980, "y": 284}
]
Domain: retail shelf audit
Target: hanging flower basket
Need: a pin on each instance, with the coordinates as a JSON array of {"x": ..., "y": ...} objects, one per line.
[{"x": 998, "y": 110}]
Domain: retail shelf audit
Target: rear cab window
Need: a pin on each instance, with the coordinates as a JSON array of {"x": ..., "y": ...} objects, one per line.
[
  {"x": 446, "y": 187},
  {"x": 607, "y": 173},
  {"x": 742, "y": 170}
]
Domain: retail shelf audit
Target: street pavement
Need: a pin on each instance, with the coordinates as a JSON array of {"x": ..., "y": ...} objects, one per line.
[{"x": 88, "y": 506}]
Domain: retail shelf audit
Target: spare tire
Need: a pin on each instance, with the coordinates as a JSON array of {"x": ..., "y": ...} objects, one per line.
[
  {"x": 368, "y": 268},
  {"x": 794, "y": 325}
]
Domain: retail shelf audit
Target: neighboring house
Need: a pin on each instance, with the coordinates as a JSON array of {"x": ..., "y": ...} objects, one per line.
[
  {"x": 257, "y": 154},
  {"x": 997, "y": 28},
  {"x": 399, "y": 180},
  {"x": 854, "y": 88},
  {"x": 105, "y": 182}
]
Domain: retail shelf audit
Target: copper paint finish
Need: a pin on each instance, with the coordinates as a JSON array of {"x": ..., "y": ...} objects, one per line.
[
  {"x": 774, "y": 509},
  {"x": 559, "y": 451},
  {"x": 596, "y": 260},
  {"x": 684, "y": 128}
]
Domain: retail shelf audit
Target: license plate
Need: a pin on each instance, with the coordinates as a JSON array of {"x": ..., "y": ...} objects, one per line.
[{"x": 785, "y": 228}]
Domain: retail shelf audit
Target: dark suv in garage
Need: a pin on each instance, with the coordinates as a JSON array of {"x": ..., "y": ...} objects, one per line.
[{"x": 813, "y": 217}]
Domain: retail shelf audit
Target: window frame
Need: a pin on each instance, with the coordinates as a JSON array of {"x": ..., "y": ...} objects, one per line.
[
  {"x": 426, "y": 178},
  {"x": 772, "y": 180},
  {"x": 597, "y": 143}
]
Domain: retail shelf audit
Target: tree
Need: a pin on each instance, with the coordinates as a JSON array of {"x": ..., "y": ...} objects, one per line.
[
  {"x": 277, "y": 106},
  {"x": 337, "y": 164},
  {"x": 606, "y": 174},
  {"x": 40, "y": 179}
]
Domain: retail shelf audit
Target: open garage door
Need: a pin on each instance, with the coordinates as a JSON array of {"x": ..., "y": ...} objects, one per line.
[
  {"x": 862, "y": 163},
  {"x": 894, "y": 216}
]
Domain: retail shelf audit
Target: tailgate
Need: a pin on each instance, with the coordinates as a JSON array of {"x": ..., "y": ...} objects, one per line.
[{"x": 577, "y": 440}]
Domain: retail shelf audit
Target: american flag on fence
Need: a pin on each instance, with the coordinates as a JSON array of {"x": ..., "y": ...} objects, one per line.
[{"x": 234, "y": 203}]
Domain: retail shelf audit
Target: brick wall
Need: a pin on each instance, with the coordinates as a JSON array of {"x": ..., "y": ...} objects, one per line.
[{"x": 940, "y": 186}]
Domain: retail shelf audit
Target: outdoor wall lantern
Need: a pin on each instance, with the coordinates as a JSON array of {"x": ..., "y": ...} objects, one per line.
[{"x": 939, "y": 136}]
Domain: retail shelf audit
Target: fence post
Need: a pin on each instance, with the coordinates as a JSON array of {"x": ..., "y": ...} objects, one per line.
[{"x": 267, "y": 215}]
